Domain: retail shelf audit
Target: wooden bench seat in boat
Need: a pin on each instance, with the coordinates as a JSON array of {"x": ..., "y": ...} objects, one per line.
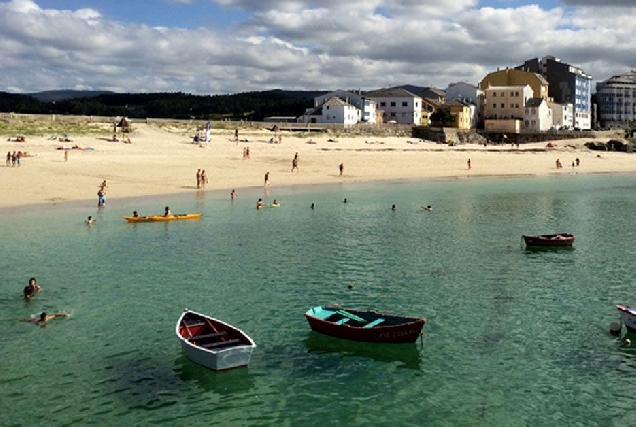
[
  {"x": 193, "y": 325},
  {"x": 201, "y": 337},
  {"x": 221, "y": 343},
  {"x": 374, "y": 323}
]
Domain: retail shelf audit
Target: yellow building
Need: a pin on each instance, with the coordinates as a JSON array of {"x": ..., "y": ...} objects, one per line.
[
  {"x": 513, "y": 77},
  {"x": 461, "y": 112}
]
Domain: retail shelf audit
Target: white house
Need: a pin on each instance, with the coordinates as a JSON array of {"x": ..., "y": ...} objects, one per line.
[
  {"x": 366, "y": 106},
  {"x": 538, "y": 116},
  {"x": 464, "y": 91},
  {"x": 562, "y": 115},
  {"x": 333, "y": 111},
  {"x": 398, "y": 105}
]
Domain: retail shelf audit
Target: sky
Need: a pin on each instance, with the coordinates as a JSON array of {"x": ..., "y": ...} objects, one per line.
[{"x": 231, "y": 46}]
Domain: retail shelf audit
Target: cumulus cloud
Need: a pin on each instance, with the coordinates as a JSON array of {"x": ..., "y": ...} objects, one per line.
[
  {"x": 599, "y": 3},
  {"x": 305, "y": 44}
]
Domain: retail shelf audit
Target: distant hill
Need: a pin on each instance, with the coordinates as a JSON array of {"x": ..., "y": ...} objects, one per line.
[{"x": 62, "y": 95}]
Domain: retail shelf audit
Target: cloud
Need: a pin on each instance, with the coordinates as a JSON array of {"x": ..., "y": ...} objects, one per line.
[
  {"x": 598, "y": 3},
  {"x": 305, "y": 44}
]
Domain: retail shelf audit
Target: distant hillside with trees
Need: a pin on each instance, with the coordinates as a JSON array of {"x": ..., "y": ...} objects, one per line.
[{"x": 253, "y": 106}]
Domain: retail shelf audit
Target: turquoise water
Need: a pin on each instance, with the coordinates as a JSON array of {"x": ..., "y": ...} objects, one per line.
[{"x": 514, "y": 337}]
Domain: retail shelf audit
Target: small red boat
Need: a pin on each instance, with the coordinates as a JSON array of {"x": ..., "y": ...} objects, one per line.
[
  {"x": 364, "y": 325},
  {"x": 552, "y": 240}
]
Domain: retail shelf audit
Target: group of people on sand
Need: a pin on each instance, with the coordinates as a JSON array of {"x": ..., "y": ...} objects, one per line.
[
  {"x": 13, "y": 159},
  {"x": 29, "y": 293},
  {"x": 575, "y": 163},
  {"x": 202, "y": 178}
]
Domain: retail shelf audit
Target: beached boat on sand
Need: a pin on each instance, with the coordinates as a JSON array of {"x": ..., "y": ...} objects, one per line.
[
  {"x": 157, "y": 218},
  {"x": 552, "y": 240},
  {"x": 364, "y": 325},
  {"x": 628, "y": 317},
  {"x": 212, "y": 343}
]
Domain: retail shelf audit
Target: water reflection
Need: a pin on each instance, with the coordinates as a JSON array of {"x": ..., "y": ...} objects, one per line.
[
  {"x": 234, "y": 381},
  {"x": 408, "y": 354}
]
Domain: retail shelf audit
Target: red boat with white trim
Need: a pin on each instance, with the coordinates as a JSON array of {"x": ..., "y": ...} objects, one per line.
[
  {"x": 364, "y": 325},
  {"x": 628, "y": 317}
]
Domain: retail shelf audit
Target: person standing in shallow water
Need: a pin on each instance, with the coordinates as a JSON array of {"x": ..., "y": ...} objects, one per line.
[
  {"x": 31, "y": 289},
  {"x": 198, "y": 178}
]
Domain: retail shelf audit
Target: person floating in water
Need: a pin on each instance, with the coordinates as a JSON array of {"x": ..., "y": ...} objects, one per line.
[
  {"x": 275, "y": 203},
  {"x": 89, "y": 220},
  {"x": 427, "y": 208},
  {"x": 394, "y": 207},
  {"x": 259, "y": 204},
  {"x": 31, "y": 289},
  {"x": 43, "y": 318}
]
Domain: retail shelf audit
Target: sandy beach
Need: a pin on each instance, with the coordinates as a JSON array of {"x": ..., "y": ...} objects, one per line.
[{"x": 164, "y": 160}]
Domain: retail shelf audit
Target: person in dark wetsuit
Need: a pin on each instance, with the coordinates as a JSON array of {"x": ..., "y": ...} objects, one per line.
[{"x": 31, "y": 289}]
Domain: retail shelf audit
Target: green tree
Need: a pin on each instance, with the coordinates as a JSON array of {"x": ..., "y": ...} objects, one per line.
[{"x": 443, "y": 116}]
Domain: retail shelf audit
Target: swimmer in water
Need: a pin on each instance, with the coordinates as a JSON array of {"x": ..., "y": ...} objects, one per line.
[{"x": 43, "y": 318}]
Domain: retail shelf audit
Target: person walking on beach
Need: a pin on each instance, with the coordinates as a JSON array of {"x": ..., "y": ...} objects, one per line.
[
  {"x": 8, "y": 158},
  {"x": 204, "y": 178},
  {"x": 66, "y": 155},
  {"x": 247, "y": 152},
  {"x": 14, "y": 159},
  {"x": 266, "y": 184},
  {"x": 198, "y": 178},
  {"x": 341, "y": 168},
  {"x": 468, "y": 162},
  {"x": 295, "y": 164},
  {"x": 236, "y": 135}
]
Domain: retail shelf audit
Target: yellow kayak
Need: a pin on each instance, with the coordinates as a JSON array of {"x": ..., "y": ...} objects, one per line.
[{"x": 156, "y": 218}]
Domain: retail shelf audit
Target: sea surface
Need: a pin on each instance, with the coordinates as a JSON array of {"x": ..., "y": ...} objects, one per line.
[{"x": 514, "y": 336}]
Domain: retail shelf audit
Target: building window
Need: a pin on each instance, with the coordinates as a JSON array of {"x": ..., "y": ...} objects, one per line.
[
  {"x": 503, "y": 105},
  {"x": 503, "y": 94},
  {"x": 494, "y": 94},
  {"x": 382, "y": 104},
  {"x": 392, "y": 103},
  {"x": 392, "y": 114},
  {"x": 405, "y": 104},
  {"x": 517, "y": 93},
  {"x": 494, "y": 105}
]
